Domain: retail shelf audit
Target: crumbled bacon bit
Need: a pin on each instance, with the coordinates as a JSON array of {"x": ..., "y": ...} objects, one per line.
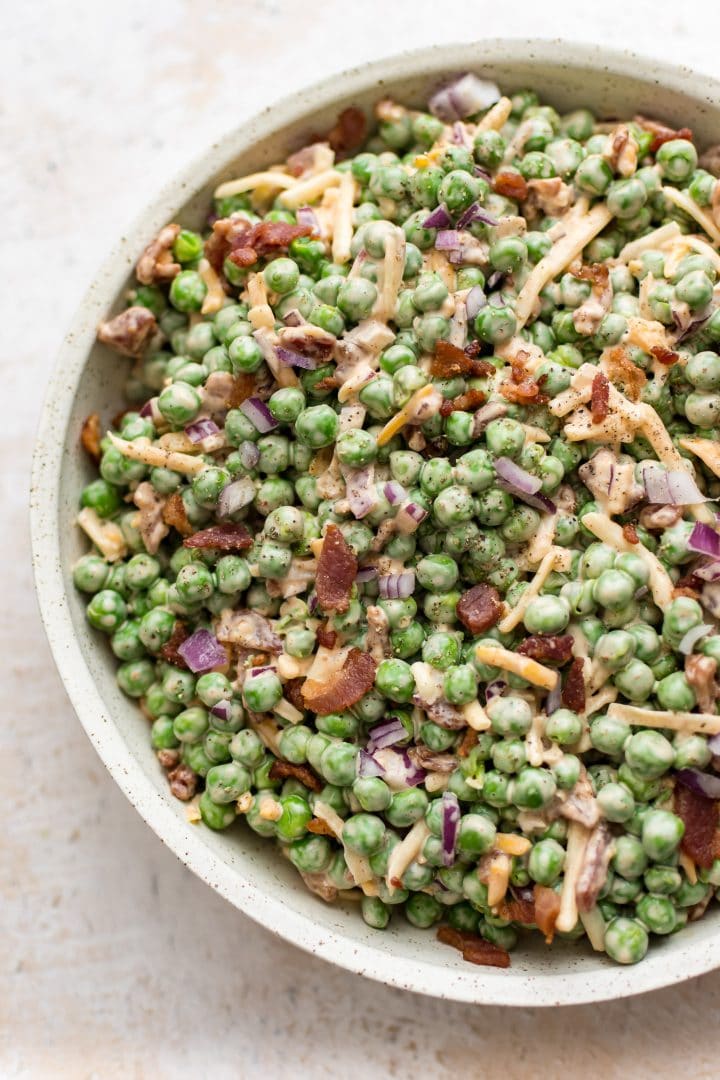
[
  {"x": 174, "y": 514},
  {"x": 280, "y": 770},
  {"x": 435, "y": 448},
  {"x": 344, "y": 688},
  {"x": 623, "y": 372},
  {"x": 292, "y": 690},
  {"x": 349, "y": 131},
  {"x": 599, "y": 402},
  {"x": 183, "y": 782},
  {"x": 169, "y": 651},
  {"x": 225, "y": 537},
  {"x": 467, "y": 402},
  {"x": 573, "y": 694},
  {"x": 236, "y": 239},
  {"x": 664, "y": 356},
  {"x": 655, "y": 517},
  {"x": 598, "y": 273},
  {"x": 168, "y": 758},
  {"x": 479, "y": 608},
  {"x": 325, "y": 637},
  {"x": 448, "y": 361},
  {"x": 510, "y": 184},
  {"x": 594, "y": 871},
  {"x": 466, "y": 744},
  {"x": 329, "y": 382},
  {"x": 547, "y": 909},
  {"x": 700, "y": 672},
  {"x": 432, "y": 760},
  {"x": 700, "y": 817},
  {"x": 90, "y": 437},
  {"x": 311, "y": 341},
  {"x": 522, "y": 389},
  {"x": 517, "y": 909},
  {"x": 243, "y": 388},
  {"x": 129, "y": 332},
  {"x": 336, "y": 570},
  {"x": 156, "y": 264},
  {"x": 690, "y": 581},
  {"x": 551, "y": 648},
  {"x": 319, "y": 828},
  {"x": 661, "y": 132},
  {"x": 474, "y": 949},
  {"x": 685, "y": 590},
  {"x": 630, "y": 533}
]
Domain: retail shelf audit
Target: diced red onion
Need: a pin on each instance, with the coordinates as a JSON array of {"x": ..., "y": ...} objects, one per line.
[
  {"x": 409, "y": 517},
  {"x": 464, "y": 96},
  {"x": 673, "y": 487},
  {"x": 704, "y": 540},
  {"x": 493, "y": 410},
  {"x": 554, "y": 699},
  {"x": 201, "y": 429},
  {"x": 291, "y": 358},
  {"x": 258, "y": 414},
  {"x": 495, "y": 689},
  {"x": 523, "y": 485},
  {"x": 222, "y": 709},
  {"x": 611, "y": 477},
  {"x": 397, "y": 768},
  {"x": 249, "y": 454},
  {"x": 313, "y": 603},
  {"x": 438, "y": 219},
  {"x": 447, "y": 240},
  {"x": 260, "y": 670},
  {"x": 147, "y": 409},
  {"x": 483, "y": 173},
  {"x": 495, "y": 279},
  {"x": 397, "y": 586},
  {"x": 475, "y": 301},
  {"x": 365, "y": 574},
  {"x": 691, "y": 638},
  {"x": 450, "y": 823},
  {"x": 639, "y": 593},
  {"x": 700, "y": 782},
  {"x": 293, "y": 318},
  {"x": 202, "y": 652},
  {"x": 367, "y": 765},
  {"x": 235, "y": 495},
  {"x": 707, "y": 569},
  {"x": 394, "y": 492},
  {"x": 389, "y": 733},
  {"x": 475, "y": 212},
  {"x": 459, "y": 134},
  {"x": 305, "y": 215},
  {"x": 360, "y": 489},
  {"x": 691, "y": 328}
]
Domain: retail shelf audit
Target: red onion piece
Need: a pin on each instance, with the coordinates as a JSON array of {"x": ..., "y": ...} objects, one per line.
[
  {"x": 360, "y": 490},
  {"x": 293, "y": 318},
  {"x": 450, "y": 819},
  {"x": 459, "y": 134},
  {"x": 235, "y": 496},
  {"x": 258, "y": 414},
  {"x": 397, "y": 586},
  {"x": 486, "y": 414},
  {"x": 495, "y": 279},
  {"x": 367, "y": 765},
  {"x": 700, "y": 782},
  {"x": 365, "y": 574},
  {"x": 495, "y": 689},
  {"x": 305, "y": 215},
  {"x": 397, "y": 768},
  {"x": 222, "y": 709},
  {"x": 704, "y": 540},
  {"x": 388, "y": 733},
  {"x": 475, "y": 301},
  {"x": 394, "y": 492},
  {"x": 475, "y": 212},
  {"x": 409, "y": 517},
  {"x": 523, "y": 485},
  {"x": 291, "y": 358},
  {"x": 706, "y": 569},
  {"x": 691, "y": 638},
  {"x": 259, "y": 670},
  {"x": 201, "y": 429},
  {"x": 438, "y": 219},
  {"x": 554, "y": 699},
  {"x": 249, "y": 454},
  {"x": 463, "y": 96},
  {"x": 448, "y": 240},
  {"x": 672, "y": 487},
  {"x": 147, "y": 409},
  {"x": 202, "y": 652}
]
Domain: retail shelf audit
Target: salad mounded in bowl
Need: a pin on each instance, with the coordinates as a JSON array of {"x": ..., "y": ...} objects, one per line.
[{"x": 406, "y": 539}]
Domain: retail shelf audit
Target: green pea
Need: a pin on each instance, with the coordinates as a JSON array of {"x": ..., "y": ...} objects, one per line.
[
  {"x": 363, "y": 833},
  {"x": 547, "y": 615},
  {"x": 674, "y": 692},
  {"x": 495, "y": 324},
  {"x": 533, "y": 789},
  {"x": 662, "y": 832},
  {"x": 187, "y": 291},
  {"x": 546, "y": 862},
  {"x": 677, "y": 159}
]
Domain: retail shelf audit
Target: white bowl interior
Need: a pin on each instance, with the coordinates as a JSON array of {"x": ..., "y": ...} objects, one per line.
[{"x": 247, "y": 870}]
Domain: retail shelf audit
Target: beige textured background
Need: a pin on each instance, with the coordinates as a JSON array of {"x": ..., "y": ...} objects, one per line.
[{"x": 114, "y": 960}]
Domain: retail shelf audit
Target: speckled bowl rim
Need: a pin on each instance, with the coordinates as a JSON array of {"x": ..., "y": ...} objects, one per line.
[{"x": 478, "y": 985}]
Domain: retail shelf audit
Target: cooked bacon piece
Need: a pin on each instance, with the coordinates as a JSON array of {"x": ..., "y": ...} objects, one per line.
[
  {"x": 320, "y": 828},
  {"x": 630, "y": 533},
  {"x": 378, "y": 628},
  {"x": 280, "y": 770},
  {"x": 467, "y": 402},
  {"x": 129, "y": 332},
  {"x": 243, "y": 387},
  {"x": 690, "y": 581},
  {"x": 517, "y": 909},
  {"x": 466, "y": 744},
  {"x": 656, "y": 516},
  {"x": 236, "y": 239},
  {"x": 700, "y": 817},
  {"x": 433, "y": 760},
  {"x": 573, "y": 694},
  {"x": 443, "y": 713},
  {"x": 449, "y": 361},
  {"x": 479, "y": 608},
  {"x": 308, "y": 340},
  {"x": 336, "y": 570},
  {"x": 597, "y": 273},
  {"x": 90, "y": 437},
  {"x": 550, "y": 648},
  {"x": 325, "y": 637},
  {"x": 329, "y": 382},
  {"x": 168, "y": 758},
  {"x": 292, "y": 690},
  {"x": 349, "y": 131},
  {"x": 174, "y": 514},
  {"x": 153, "y": 529},
  {"x": 661, "y": 132},
  {"x": 522, "y": 389},
  {"x": 183, "y": 782},
  {"x": 225, "y": 537},
  {"x": 599, "y": 402},
  {"x": 594, "y": 870},
  {"x": 435, "y": 448},
  {"x": 474, "y": 949},
  {"x": 547, "y": 909},
  {"x": 510, "y": 184},
  {"x": 248, "y": 629},
  {"x": 550, "y": 195},
  {"x": 623, "y": 372},
  {"x": 664, "y": 356},
  {"x": 343, "y": 688},
  {"x": 700, "y": 672},
  {"x": 156, "y": 264},
  {"x": 169, "y": 651},
  {"x": 684, "y": 590}
]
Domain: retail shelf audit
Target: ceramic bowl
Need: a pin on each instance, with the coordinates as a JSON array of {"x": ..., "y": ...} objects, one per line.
[{"x": 240, "y": 866}]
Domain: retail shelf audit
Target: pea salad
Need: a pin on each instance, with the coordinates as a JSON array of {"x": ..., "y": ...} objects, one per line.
[{"x": 407, "y": 539}]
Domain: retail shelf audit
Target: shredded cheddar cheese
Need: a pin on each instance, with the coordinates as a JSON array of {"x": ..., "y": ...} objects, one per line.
[
  {"x": 306, "y": 191},
  {"x": 107, "y": 536},
  {"x": 254, "y": 180},
  {"x": 696, "y": 723},
  {"x": 691, "y": 208},
  {"x": 141, "y": 449},
  {"x": 661, "y": 584},
  {"x": 530, "y": 670}
]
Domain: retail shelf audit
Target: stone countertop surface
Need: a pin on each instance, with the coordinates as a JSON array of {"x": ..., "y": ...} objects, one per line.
[{"x": 115, "y": 960}]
